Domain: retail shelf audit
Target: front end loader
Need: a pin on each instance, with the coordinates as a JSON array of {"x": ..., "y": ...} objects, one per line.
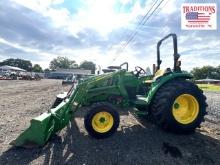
[{"x": 168, "y": 97}]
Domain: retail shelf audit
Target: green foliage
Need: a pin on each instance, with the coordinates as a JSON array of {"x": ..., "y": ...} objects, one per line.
[
  {"x": 88, "y": 65},
  {"x": 206, "y": 72},
  {"x": 23, "y": 64},
  {"x": 62, "y": 62},
  {"x": 46, "y": 70},
  {"x": 37, "y": 68}
]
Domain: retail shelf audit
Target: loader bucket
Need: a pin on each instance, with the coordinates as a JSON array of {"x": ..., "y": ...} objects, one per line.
[
  {"x": 43, "y": 126},
  {"x": 48, "y": 123}
]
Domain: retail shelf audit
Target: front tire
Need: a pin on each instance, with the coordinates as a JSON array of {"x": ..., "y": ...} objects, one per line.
[
  {"x": 102, "y": 120},
  {"x": 179, "y": 106}
]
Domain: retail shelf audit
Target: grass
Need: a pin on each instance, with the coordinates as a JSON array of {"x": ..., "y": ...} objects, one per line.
[{"x": 209, "y": 87}]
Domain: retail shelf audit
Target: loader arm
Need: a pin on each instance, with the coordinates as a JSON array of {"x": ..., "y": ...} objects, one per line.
[{"x": 92, "y": 89}]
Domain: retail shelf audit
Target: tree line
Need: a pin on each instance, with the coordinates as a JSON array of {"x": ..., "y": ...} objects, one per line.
[
  {"x": 206, "y": 72},
  {"x": 65, "y": 63},
  {"x": 56, "y": 63},
  {"x": 23, "y": 64}
]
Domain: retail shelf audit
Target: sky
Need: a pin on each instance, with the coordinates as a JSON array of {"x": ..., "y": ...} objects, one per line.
[{"x": 95, "y": 30}]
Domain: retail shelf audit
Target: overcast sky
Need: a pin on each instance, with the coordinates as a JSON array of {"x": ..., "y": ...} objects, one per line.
[{"x": 40, "y": 30}]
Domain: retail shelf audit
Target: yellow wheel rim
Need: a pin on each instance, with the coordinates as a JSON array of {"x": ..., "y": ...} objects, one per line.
[
  {"x": 185, "y": 109},
  {"x": 102, "y": 122}
]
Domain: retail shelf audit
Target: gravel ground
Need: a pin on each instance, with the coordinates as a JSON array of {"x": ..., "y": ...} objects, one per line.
[
  {"x": 136, "y": 142},
  {"x": 213, "y": 99}
]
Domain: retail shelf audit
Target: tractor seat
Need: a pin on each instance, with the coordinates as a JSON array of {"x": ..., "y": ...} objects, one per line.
[
  {"x": 161, "y": 72},
  {"x": 158, "y": 74}
]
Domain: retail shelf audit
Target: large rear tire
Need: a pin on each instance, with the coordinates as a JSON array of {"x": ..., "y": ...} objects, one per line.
[
  {"x": 102, "y": 120},
  {"x": 179, "y": 106}
]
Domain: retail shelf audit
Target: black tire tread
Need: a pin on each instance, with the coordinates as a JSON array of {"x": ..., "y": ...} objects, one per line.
[
  {"x": 95, "y": 108},
  {"x": 159, "y": 107}
]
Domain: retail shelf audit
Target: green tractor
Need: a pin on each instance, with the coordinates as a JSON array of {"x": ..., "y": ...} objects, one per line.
[{"x": 167, "y": 97}]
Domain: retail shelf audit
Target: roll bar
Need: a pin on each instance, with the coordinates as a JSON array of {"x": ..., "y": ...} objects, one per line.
[
  {"x": 125, "y": 63},
  {"x": 175, "y": 52}
]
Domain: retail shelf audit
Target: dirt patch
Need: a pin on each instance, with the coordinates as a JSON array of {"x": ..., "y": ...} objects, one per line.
[{"x": 136, "y": 142}]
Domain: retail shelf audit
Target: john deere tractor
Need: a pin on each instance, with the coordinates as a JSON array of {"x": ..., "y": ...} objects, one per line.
[{"x": 168, "y": 97}]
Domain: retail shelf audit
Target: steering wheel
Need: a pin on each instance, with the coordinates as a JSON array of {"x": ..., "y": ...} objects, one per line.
[{"x": 139, "y": 71}]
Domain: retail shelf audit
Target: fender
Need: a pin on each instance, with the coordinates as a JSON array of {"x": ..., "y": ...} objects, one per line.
[{"x": 161, "y": 81}]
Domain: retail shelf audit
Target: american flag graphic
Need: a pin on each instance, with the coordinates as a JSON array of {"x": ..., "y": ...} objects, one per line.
[{"x": 196, "y": 17}]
